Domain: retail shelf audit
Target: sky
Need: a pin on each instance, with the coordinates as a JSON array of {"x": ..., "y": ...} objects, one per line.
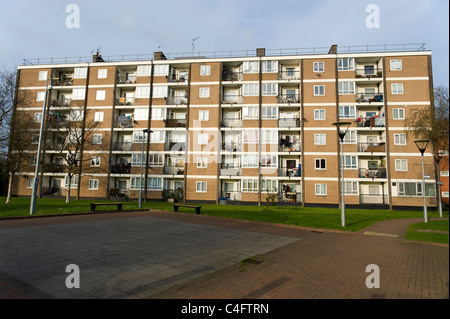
[{"x": 39, "y": 29}]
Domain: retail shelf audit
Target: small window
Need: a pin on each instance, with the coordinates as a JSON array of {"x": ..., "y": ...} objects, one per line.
[
  {"x": 204, "y": 92},
  {"x": 396, "y": 65},
  {"x": 98, "y": 116},
  {"x": 401, "y": 165},
  {"x": 346, "y": 64},
  {"x": 78, "y": 94},
  {"x": 93, "y": 184},
  {"x": 320, "y": 139},
  {"x": 203, "y": 115},
  {"x": 321, "y": 163},
  {"x": 35, "y": 139},
  {"x": 349, "y": 162},
  {"x": 80, "y": 73},
  {"x": 201, "y": 187},
  {"x": 40, "y": 96},
  {"x": 102, "y": 73},
  {"x": 319, "y": 115},
  {"x": 38, "y": 117},
  {"x": 30, "y": 183},
  {"x": 100, "y": 95},
  {"x": 399, "y": 139},
  {"x": 203, "y": 139},
  {"x": 445, "y": 194},
  {"x": 33, "y": 160},
  {"x": 95, "y": 161},
  {"x": 398, "y": 114},
  {"x": 202, "y": 162},
  {"x": 319, "y": 90},
  {"x": 397, "y": 88},
  {"x": 321, "y": 189},
  {"x": 347, "y": 112},
  {"x": 143, "y": 70},
  {"x": 42, "y": 76},
  {"x": 205, "y": 70},
  {"x": 444, "y": 173},
  {"x": 318, "y": 67},
  {"x": 97, "y": 139}
]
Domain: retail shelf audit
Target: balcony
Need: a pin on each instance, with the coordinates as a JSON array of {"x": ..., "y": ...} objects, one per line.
[
  {"x": 379, "y": 147},
  {"x": 228, "y": 75},
  {"x": 290, "y": 75},
  {"x": 52, "y": 191},
  {"x": 125, "y": 101},
  {"x": 289, "y": 98},
  {"x": 289, "y": 172},
  {"x": 60, "y": 102},
  {"x": 288, "y": 122},
  {"x": 231, "y": 195},
  {"x": 372, "y": 173},
  {"x": 231, "y": 147},
  {"x": 370, "y": 122},
  {"x": 62, "y": 82},
  {"x": 232, "y": 99},
  {"x": 57, "y": 121},
  {"x": 181, "y": 77},
  {"x": 369, "y": 97},
  {"x": 122, "y": 146},
  {"x": 373, "y": 199},
  {"x": 175, "y": 123},
  {"x": 177, "y": 100},
  {"x": 231, "y": 122},
  {"x": 368, "y": 73},
  {"x": 126, "y": 79},
  {"x": 124, "y": 123},
  {"x": 175, "y": 146},
  {"x": 54, "y": 168},
  {"x": 230, "y": 170},
  {"x": 121, "y": 169},
  {"x": 173, "y": 170}
]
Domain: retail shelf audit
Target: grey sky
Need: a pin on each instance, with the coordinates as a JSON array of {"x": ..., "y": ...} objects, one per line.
[{"x": 37, "y": 29}]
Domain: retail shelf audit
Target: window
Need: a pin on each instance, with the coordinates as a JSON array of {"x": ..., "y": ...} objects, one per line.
[
  {"x": 321, "y": 163},
  {"x": 321, "y": 189},
  {"x": 269, "y": 136},
  {"x": 269, "y": 186},
  {"x": 95, "y": 161},
  {"x": 157, "y": 137},
  {"x": 98, "y": 116},
  {"x": 30, "y": 183},
  {"x": 415, "y": 189},
  {"x": 445, "y": 194},
  {"x": 319, "y": 90},
  {"x": 158, "y": 113},
  {"x": 154, "y": 184},
  {"x": 205, "y": 70},
  {"x": 204, "y": 92},
  {"x": 269, "y": 89},
  {"x": 249, "y": 113},
  {"x": 144, "y": 70},
  {"x": 202, "y": 162},
  {"x": 401, "y": 165},
  {"x": 141, "y": 114},
  {"x": 350, "y": 137},
  {"x": 93, "y": 184},
  {"x": 444, "y": 173},
  {"x": 396, "y": 65},
  {"x": 397, "y": 88},
  {"x": 38, "y": 117},
  {"x": 269, "y": 112},
  {"x": 73, "y": 181},
  {"x": 399, "y": 139},
  {"x": 250, "y": 89},
  {"x": 138, "y": 136},
  {"x": 42, "y": 76},
  {"x": 269, "y": 161},
  {"x": 201, "y": 187},
  {"x": 160, "y": 92},
  {"x": 76, "y": 115},
  {"x": 347, "y": 112},
  {"x": 161, "y": 70},
  {"x": 250, "y": 137},
  {"x": 135, "y": 183},
  {"x": 100, "y": 95},
  {"x": 269, "y": 66},
  {"x": 319, "y": 115},
  {"x": 136, "y": 159},
  {"x": 320, "y": 139},
  {"x": 250, "y": 186},
  {"x": 346, "y": 64},
  {"x": 318, "y": 66},
  {"x": 349, "y": 162},
  {"x": 97, "y": 139},
  {"x": 80, "y": 73},
  {"x": 156, "y": 160},
  {"x": 350, "y": 187},
  {"x": 398, "y": 114},
  {"x": 203, "y": 115},
  {"x": 40, "y": 96},
  {"x": 346, "y": 87},
  {"x": 142, "y": 92},
  {"x": 203, "y": 138},
  {"x": 78, "y": 94},
  {"x": 33, "y": 160},
  {"x": 251, "y": 67},
  {"x": 102, "y": 73},
  {"x": 250, "y": 161}
]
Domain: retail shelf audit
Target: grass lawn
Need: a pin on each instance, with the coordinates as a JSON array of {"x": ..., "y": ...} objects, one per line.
[
  {"x": 327, "y": 218},
  {"x": 413, "y": 232}
]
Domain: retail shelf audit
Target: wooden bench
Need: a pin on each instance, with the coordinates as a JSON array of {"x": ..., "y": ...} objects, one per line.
[
  {"x": 93, "y": 205},
  {"x": 197, "y": 208}
]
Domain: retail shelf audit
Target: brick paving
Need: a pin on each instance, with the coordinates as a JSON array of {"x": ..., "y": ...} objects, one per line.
[{"x": 303, "y": 263}]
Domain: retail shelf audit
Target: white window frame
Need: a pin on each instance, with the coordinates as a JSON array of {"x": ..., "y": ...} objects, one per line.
[
  {"x": 142, "y": 92},
  {"x": 249, "y": 186},
  {"x": 160, "y": 92},
  {"x": 40, "y": 96},
  {"x": 102, "y": 73},
  {"x": 100, "y": 95},
  {"x": 320, "y": 139},
  {"x": 269, "y": 136},
  {"x": 37, "y": 117},
  {"x": 138, "y": 136},
  {"x": 250, "y": 67},
  {"x": 397, "y": 89},
  {"x": 269, "y": 112},
  {"x": 97, "y": 139},
  {"x": 203, "y": 115},
  {"x": 320, "y": 189},
  {"x": 350, "y": 137},
  {"x": 43, "y": 76},
  {"x": 346, "y": 88},
  {"x": 269, "y": 186},
  {"x": 269, "y": 161},
  {"x": 205, "y": 69},
  {"x": 156, "y": 160},
  {"x": 269, "y": 66},
  {"x": 202, "y": 138},
  {"x": 318, "y": 90},
  {"x": 141, "y": 114},
  {"x": 400, "y": 139},
  {"x": 73, "y": 182},
  {"x": 250, "y": 161},
  {"x": 95, "y": 161},
  {"x": 318, "y": 67},
  {"x": 78, "y": 94},
  {"x": 154, "y": 184},
  {"x": 159, "y": 113},
  {"x": 351, "y": 188},
  {"x": 319, "y": 114},
  {"x": 157, "y": 137},
  {"x": 203, "y": 187},
  {"x": 30, "y": 182},
  {"x": 137, "y": 159},
  {"x": 202, "y": 162},
  {"x": 93, "y": 184},
  {"x": 161, "y": 70},
  {"x": 144, "y": 70},
  {"x": 250, "y": 89},
  {"x": 269, "y": 89},
  {"x": 401, "y": 165},
  {"x": 320, "y": 161},
  {"x": 250, "y": 136},
  {"x": 80, "y": 73},
  {"x": 444, "y": 173},
  {"x": 98, "y": 116},
  {"x": 396, "y": 65},
  {"x": 348, "y": 66},
  {"x": 398, "y": 114},
  {"x": 445, "y": 194},
  {"x": 351, "y": 112},
  {"x": 250, "y": 113},
  {"x": 349, "y": 162},
  {"x": 203, "y": 93}
]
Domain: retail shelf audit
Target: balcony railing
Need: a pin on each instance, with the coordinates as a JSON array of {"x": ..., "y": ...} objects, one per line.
[
  {"x": 52, "y": 191},
  {"x": 229, "y": 75},
  {"x": 122, "y": 146},
  {"x": 372, "y": 147},
  {"x": 369, "y": 97},
  {"x": 232, "y": 99},
  {"x": 231, "y": 195},
  {"x": 289, "y": 75},
  {"x": 288, "y": 122},
  {"x": 289, "y": 98},
  {"x": 125, "y": 101},
  {"x": 372, "y": 173},
  {"x": 126, "y": 79},
  {"x": 178, "y": 78},
  {"x": 231, "y": 122},
  {"x": 296, "y": 147},
  {"x": 289, "y": 172},
  {"x": 370, "y": 122},
  {"x": 173, "y": 170},
  {"x": 60, "y": 102},
  {"x": 231, "y": 147},
  {"x": 54, "y": 168},
  {"x": 124, "y": 123},
  {"x": 62, "y": 82},
  {"x": 373, "y": 199},
  {"x": 177, "y": 101},
  {"x": 55, "y": 121},
  {"x": 368, "y": 73},
  {"x": 175, "y": 123},
  {"x": 175, "y": 146},
  {"x": 121, "y": 169},
  {"x": 230, "y": 170}
]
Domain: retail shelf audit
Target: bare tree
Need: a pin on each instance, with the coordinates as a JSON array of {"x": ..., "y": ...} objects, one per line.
[
  {"x": 432, "y": 124},
  {"x": 7, "y": 89}
]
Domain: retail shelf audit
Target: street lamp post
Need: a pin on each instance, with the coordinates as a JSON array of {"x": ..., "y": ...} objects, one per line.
[
  {"x": 437, "y": 158},
  {"x": 422, "y": 146},
  {"x": 146, "y": 131},
  {"x": 342, "y": 128},
  {"x": 41, "y": 136}
]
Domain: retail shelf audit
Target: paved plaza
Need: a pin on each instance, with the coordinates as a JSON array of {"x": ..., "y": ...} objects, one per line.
[{"x": 165, "y": 255}]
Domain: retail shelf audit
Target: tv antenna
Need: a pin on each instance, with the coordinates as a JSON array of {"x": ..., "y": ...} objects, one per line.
[
  {"x": 193, "y": 44},
  {"x": 160, "y": 46}
]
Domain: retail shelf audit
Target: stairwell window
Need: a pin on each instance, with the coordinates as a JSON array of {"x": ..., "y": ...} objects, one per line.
[
  {"x": 93, "y": 184},
  {"x": 98, "y": 116},
  {"x": 320, "y": 139},
  {"x": 205, "y": 70},
  {"x": 319, "y": 90},
  {"x": 204, "y": 92},
  {"x": 401, "y": 165},
  {"x": 319, "y": 115},
  {"x": 201, "y": 187},
  {"x": 102, "y": 73},
  {"x": 397, "y": 88},
  {"x": 398, "y": 114},
  {"x": 400, "y": 139},
  {"x": 318, "y": 67},
  {"x": 321, "y": 163},
  {"x": 396, "y": 65},
  {"x": 321, "y": 189}
]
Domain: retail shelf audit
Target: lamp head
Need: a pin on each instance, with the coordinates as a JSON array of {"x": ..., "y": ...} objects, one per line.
[
  {"x": 422, "y": 145},
  {"x": 342, "y": 128}
]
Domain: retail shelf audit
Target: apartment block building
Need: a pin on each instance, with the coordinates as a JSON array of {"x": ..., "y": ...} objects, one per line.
[{"x": 236, "y": 129}]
